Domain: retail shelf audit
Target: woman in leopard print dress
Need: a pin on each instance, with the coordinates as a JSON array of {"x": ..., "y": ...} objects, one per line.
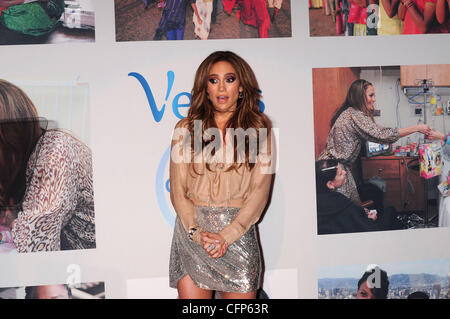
[
  {"x": 352, "y": 125},
  {"x": 46, "y": 190}
]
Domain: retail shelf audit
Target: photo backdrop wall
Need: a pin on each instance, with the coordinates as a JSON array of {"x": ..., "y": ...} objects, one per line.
[{"x": 130, "y": 132}]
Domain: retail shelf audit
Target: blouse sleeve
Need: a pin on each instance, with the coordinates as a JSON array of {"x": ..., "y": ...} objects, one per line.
[
  {"x": 49, "y": 198},
  {"x": 254, "y": 204},
  {"x": 179, "y": 170},
  {"x": 369, "y": 130}
]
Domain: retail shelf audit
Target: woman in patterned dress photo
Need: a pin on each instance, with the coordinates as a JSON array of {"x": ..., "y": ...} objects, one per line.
[{"x": 46, "y": 189}]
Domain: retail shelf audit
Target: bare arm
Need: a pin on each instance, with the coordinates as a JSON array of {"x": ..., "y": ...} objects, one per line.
[
  {"x": 422, "y": 21},
  {"x": 391, "y": 7},
  {"x": 401, "y": 11},
  {"x": 422, "y": 128},
  {"x": 442, "y": 8}
]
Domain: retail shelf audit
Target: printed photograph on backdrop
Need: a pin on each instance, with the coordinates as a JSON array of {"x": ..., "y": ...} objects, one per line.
[
  {"x": 91, "y": 290},
  {"x": 427, "y": 279},
  {"x": 146, "y": 20},
  {"x": 378, "y": 17},
  {"x": 46, "y": 21},
  {"x": 382, "y": 147},
  {"x": 46, "y": 187}
]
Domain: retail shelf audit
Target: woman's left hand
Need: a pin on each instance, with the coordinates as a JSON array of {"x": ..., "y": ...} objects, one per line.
[{"x": 214, "y": 244}]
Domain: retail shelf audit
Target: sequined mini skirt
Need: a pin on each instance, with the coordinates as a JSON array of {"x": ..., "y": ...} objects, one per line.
[{"x": 238, "y": 270}]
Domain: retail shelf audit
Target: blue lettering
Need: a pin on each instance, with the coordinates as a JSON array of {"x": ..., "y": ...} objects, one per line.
[
  {"x": 157, "y": 114},
  {"x": 176, "y": 105},
  {"x": 168, "y": 185}
]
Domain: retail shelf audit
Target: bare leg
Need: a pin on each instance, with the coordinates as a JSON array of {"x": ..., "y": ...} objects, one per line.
[
  {"x": 188, "y": 290},
  {"x": 236, "y": 295}
]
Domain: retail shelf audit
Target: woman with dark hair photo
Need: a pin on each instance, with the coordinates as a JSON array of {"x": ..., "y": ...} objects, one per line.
[
  {"x": 215, "y": 246},
  {"x": 352, "y": 125},
  {"x": 46, "y": 191},
  {"x": 337, "y": 213},
  {"x": 374, "y": 284}
]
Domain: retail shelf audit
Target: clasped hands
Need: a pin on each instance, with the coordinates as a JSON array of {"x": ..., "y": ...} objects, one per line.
[
  {"x": 429, "y": 133},
  {"x": 214, "y": 244}
]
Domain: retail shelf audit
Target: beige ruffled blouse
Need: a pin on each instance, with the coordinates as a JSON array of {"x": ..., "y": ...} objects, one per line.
[{"x": 242, "y": 187}]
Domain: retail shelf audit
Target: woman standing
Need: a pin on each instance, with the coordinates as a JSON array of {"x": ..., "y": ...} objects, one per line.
[
  {"x": 352, "y": 125},
  {"x": 46, "y": 191},
  {"x": 214, "y": 246}
]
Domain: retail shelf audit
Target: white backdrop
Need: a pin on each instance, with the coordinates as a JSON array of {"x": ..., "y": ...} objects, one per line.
[{"x": 133, "y": 234}]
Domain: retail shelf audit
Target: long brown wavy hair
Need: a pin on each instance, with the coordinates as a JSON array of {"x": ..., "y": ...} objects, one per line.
[
  {"x": 356, "y": 98},
  {"x": 19, "y": 133},
  {"x": 247, "y": 114}
]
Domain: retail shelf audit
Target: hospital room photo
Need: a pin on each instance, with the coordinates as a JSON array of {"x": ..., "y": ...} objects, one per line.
[{"x": 382, "y": 153}]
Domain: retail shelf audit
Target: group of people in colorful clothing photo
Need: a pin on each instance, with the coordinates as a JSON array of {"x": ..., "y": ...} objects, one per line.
[
  {"x": 386, "y": 17},
  {"x": 256, "y": 13}
]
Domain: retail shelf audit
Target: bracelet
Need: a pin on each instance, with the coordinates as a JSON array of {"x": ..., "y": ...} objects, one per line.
[{"x": 2, "y": 241}]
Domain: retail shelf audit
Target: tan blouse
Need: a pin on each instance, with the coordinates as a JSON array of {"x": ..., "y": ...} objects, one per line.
[{"x": 243, "y": 188}]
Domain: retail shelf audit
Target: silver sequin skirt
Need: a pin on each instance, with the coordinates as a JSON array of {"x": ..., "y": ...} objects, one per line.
[{"x": 239, "y": 270}]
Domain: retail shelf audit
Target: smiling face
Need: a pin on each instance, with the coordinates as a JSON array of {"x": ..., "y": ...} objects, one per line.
[
  {"x": 370, "y": 97},
  {"x": 223, "y": 87}
]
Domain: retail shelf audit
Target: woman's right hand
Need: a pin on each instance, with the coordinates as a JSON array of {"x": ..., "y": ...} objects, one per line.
[
  {"x": 214, "y": 244},
  {"x": 423, "y": 128}
]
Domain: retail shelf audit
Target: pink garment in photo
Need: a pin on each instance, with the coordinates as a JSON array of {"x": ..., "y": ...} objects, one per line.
[
  {"x": 254, "y": 13},
  {"x": 357, "y": 14},
  {"x": 410, "y": 27},
  {"x": 228, "y": 5}
]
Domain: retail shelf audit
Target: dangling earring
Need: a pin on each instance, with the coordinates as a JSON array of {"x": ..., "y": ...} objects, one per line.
[{"x": 241, "y": 95}]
